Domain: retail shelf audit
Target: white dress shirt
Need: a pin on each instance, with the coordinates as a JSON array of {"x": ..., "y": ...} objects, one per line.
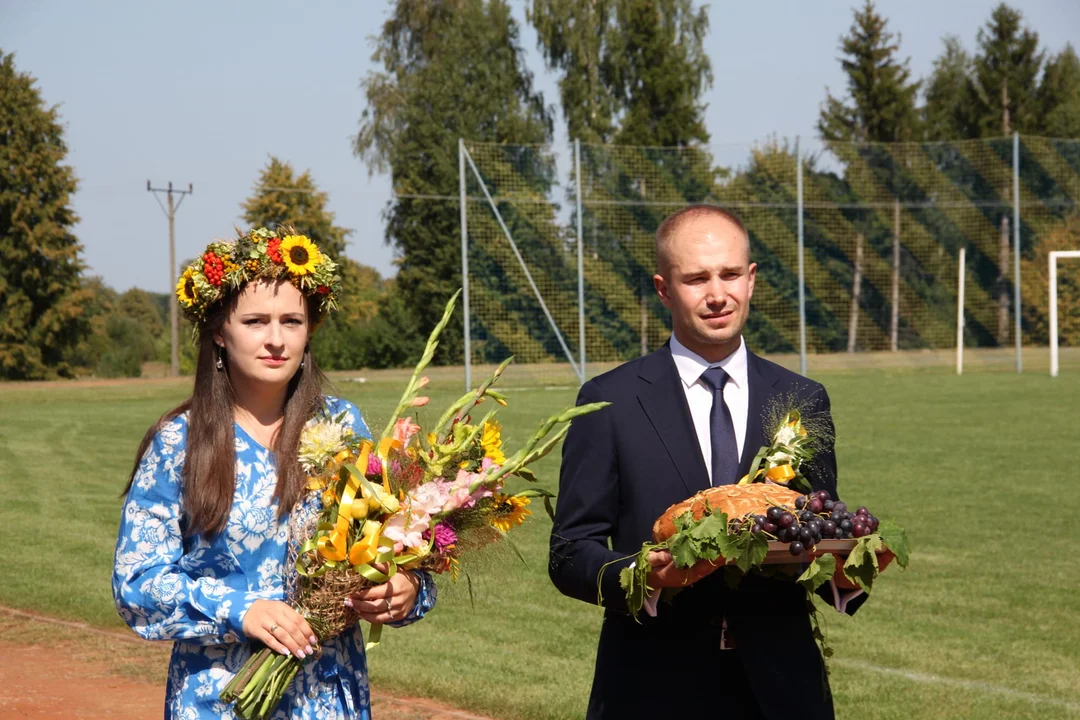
[{"x": 699, "y": 395}]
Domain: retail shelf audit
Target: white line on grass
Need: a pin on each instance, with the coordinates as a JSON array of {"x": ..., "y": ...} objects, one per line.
[{"x": 953, "y": 682}]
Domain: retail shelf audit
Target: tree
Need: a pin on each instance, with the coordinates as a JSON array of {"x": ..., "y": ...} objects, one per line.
[
  {"x": 632, "y": 71},
  {"x": 1059, "y": 96},
  {"x": 339, "y": 342},
  {"x": 1004, "y": 77},
  {"x": 283, "y": 198},
  {"x": 1003, "y": 84},
  {"x": 999, "y": 90},
  {"x": 880, "y": 106},
  {"x": 573, "y": 36},
  {"x": 659, "y": 72},
  {"x": 142, "y": 309},
  {"x": 947, "y": 113},
  {"x": 41, "y": 316},
  {"x": 123, "y": 330},
  {"x": 450, "y": 69},
  {"x": 1035, "y": 279}
]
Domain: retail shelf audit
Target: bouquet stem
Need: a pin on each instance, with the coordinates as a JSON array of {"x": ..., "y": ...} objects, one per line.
[{"x": 261, "y": 683}]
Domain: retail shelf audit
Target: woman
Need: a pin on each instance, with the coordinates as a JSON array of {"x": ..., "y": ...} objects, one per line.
[{"x": 202, "y": 552}]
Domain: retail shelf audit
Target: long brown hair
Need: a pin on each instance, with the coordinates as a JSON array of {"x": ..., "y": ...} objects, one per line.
[{"x": 209, "y": 479}]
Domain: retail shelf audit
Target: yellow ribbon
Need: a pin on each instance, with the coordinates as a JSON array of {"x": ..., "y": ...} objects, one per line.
[
  {"x": 780, "y": 474},
  {"x": 335, "y": 545},
  {"x": 366, "y": 549},
  {"x": 385, "y": 446}
]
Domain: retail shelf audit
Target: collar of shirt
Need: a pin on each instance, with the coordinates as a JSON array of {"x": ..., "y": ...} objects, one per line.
[{"x": 690, "y": 365}]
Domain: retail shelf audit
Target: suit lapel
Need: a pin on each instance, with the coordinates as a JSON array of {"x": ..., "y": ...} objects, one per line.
[
  {"x": 663, "y": 399},
  {"x": 761, "y": 383}
]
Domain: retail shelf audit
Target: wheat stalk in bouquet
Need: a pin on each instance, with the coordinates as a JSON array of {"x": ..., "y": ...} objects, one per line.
[{"x": 409, "y": 499}]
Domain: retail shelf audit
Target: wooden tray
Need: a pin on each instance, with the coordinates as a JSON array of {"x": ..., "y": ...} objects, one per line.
[{"x": 779, "y": 554}]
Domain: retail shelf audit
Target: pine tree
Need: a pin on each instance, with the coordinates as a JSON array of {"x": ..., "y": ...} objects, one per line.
[
  {"x": 1004, "y": 78},
  {"x": 880, "y": 106},
  {"x": 283, "y": 198},
  {"x": 450, "y": 69},
  {"x": 41, "y": 296},
  {"x": 947, "y": 112},
  {"x": 1059, "y": 96}
]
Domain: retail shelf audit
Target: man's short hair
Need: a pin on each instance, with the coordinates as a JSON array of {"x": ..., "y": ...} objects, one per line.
[{"x": 672, "y": 222}]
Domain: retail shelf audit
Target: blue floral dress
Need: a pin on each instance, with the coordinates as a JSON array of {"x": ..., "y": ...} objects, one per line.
[{"x": 195, "y": 591}]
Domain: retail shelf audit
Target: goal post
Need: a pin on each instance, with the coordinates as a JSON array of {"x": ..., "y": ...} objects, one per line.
[{"x": 1053, "y": 305}]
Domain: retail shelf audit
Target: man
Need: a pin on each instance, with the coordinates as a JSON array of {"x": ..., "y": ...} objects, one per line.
[{"x": 713, "y": 651}]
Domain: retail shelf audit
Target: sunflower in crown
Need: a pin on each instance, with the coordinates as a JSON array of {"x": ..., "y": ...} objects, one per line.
[{"x": 259, "y": 254}]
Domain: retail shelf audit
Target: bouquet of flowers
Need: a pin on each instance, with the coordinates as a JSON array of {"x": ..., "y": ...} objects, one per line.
[
  {"x": 413, "y": 498},
  {"x": 792, "y": 445}
]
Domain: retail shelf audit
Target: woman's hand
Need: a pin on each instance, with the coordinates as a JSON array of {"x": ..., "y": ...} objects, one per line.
[
  {"x": 388, "y": 602},
  {"x": 280, "y": 628}
]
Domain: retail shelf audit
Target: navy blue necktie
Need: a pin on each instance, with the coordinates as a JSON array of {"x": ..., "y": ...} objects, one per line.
[{"x": 725, "y": 451}]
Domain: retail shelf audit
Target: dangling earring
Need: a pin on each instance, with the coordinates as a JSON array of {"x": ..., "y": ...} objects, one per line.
[
  {"x": 219, "y": 364},
  {"x": 302, "y": 359},
  {"x": 301, "y": 364}
]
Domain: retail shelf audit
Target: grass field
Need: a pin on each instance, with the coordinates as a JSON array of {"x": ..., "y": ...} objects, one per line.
[{"x": 978, "y": 468}]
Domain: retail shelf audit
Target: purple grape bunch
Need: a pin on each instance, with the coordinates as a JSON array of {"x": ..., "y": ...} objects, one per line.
[{"x": 816, "y": 517}]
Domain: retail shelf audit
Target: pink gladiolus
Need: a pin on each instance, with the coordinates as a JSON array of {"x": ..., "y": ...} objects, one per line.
[
  {"x": 429, "y": 498},
  {"x": 404, "y": 430},
  {"x": 420, "y": 401},
  {"x": 410, "y": 532}
]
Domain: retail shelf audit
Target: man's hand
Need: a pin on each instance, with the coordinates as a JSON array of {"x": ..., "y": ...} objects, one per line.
[
  {"x": 841, "y": 580},
  {"x": 665, "y": 574}
]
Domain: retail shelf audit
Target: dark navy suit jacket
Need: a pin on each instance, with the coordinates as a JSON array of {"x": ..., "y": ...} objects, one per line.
[{"x": 622, "y": 467}]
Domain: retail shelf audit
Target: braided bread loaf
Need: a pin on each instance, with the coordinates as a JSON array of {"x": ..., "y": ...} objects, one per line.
[{"x": 735, "y": 500}]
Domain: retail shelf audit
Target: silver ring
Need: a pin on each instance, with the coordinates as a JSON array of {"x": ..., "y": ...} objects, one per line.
[
  {"x": 274, "y": 627},
  {"x": 388, "y": 609}
]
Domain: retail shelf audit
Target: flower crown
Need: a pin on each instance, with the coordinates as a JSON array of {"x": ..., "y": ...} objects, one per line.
[{"x": 258, "y": 255}]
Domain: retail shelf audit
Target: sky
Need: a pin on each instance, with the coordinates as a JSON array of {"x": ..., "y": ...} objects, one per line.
[{"x": 204, "y": 92}]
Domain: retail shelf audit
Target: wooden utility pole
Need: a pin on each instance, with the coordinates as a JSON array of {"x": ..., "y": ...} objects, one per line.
[
  {"x": 1003, "y": 244},
  {"x": 856, "y": 290},
  {"x": 174, "y": 320},
  {"x": 894, "y": 326}
]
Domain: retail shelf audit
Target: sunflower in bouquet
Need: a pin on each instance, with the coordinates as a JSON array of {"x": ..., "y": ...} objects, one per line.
[{"x": 414, "y": 498}]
